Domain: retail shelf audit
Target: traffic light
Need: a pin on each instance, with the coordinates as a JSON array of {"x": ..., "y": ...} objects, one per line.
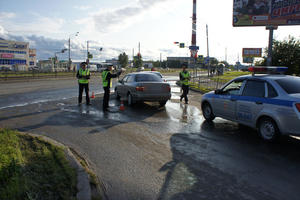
[{"x": 90, "y": 55}]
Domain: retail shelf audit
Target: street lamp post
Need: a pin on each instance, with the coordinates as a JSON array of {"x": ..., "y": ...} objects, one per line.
[
  {"x": 55, "y": 59},
  {"x": 76, "y": 34}
]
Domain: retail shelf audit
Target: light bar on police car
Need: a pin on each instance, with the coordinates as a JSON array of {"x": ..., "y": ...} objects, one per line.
[{"x": 268, "y": 69}]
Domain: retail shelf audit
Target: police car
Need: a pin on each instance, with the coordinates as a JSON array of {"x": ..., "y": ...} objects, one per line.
[{"x": 268, "y": 102}]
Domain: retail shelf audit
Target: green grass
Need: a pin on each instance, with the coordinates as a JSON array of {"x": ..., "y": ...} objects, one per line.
[
  {"x": 201, "y": 88},
  {"x": 31, "y": 168},
  {"x": 227, "y": 76}
]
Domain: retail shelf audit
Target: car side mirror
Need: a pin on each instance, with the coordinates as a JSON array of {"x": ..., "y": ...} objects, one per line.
[{"x": 218, "y": 91}]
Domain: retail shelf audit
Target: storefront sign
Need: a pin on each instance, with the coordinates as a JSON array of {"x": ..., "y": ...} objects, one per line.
[{"x": 7, "y": 55}]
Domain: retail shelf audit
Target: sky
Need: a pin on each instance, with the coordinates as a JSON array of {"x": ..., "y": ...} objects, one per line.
[{"x": 120, "y": 25}]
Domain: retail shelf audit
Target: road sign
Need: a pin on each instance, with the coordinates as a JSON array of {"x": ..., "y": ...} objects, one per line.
[
  {"x": 194, "y": 48},
  {"x": 206, "y": 60},
  {"x": 252, "y": 52},
  {"x": 201, "y": 59},
  {"x": 181, "y": 45}
]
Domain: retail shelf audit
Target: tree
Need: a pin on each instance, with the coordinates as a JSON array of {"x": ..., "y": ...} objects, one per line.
[
  {"x": 123, "y": 60},
  {"x": 138, "y": 61},
  {"x": 285, "y": 53}
]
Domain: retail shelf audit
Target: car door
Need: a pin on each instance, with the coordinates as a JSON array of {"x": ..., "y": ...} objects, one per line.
[
  {"x": 224, "y": 102},
  {"x": 121, "y": 86},
  {"x": 250, "y": 103},
  {"x": 129, "y": 84}
]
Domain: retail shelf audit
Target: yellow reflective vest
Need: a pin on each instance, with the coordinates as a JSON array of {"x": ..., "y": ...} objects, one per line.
[
  {"x": 104, "y": 79},
  {"x": 83, "y": 73},
  {"x": 186, "y": 77}
]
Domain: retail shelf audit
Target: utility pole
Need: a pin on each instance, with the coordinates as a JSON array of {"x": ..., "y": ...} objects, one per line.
[
  {"x": 87, "y": 52},
  {"x": 132, "y": 57},
  {"x": 226, "y": 54},
  {"x": 69, "y": 53},
  {"x": 139, "y": 48},
  {"x": 271, "y": 30},
  {"x": 208, "y": 68},
  {"x": 160, "y": 61},
  {"x": 76, "y": 34}
]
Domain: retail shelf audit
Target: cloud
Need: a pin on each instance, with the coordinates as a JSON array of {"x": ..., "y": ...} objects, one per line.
[
  {"x": 37, "y": 24},
  {"x": 6, "y": 15},
  {"x": 114, "y": 20},
  {"x": 82, "y": 7},
  {"x": 46, "y": 47}
]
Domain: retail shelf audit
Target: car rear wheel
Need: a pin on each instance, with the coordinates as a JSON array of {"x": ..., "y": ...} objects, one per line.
[
  {"x": 130, "y": 99},
  {"x": 162, "y": 103},
  {"x": 268, "y": 129},
  {"x": 207, "y": 112}
]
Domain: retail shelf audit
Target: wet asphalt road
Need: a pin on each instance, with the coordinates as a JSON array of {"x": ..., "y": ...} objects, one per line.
[{"x": 147, "y": 152}]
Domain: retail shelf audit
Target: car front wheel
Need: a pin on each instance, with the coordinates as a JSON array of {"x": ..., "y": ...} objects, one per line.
[
  {"x": 117, "y": 94},
  {"x": 207, "y": 112},
  {"x": 268, "y": 129},
  {"x": 130, "y": 100}
]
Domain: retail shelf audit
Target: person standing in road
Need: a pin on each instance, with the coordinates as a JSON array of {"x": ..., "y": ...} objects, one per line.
[
  {"x": 184, "y": 76},
  {"x": 107, "y": 75},
  {"x": 83, "y": 76}
]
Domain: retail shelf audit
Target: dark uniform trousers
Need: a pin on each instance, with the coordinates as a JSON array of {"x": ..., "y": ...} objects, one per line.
[
  {"x": 84, "y": 86},
  {"x": 185, "y": 91},
  {"x": 106, "y": 97}
]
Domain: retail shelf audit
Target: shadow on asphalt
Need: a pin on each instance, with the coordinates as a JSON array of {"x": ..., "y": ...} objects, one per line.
[
  {"x": 225, "y": 161},
  {"x": 91, "y": 116}
]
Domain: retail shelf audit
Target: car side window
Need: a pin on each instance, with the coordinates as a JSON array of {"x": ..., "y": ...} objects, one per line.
[
  {"x": 124, "y": 80},
  {"x": 233, "y": 88},
  {"x": 130, "y": 79},
  {"x": 271, "y": 91},
  {"x": 254, "y": 89}
]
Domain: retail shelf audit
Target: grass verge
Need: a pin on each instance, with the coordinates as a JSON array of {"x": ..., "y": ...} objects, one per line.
[
  {"x": 31, "y": 168},
  {"x": 227, "y": 76}
]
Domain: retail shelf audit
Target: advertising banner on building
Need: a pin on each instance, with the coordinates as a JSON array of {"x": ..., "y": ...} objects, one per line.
[
  {"x": 7, "y": 55},
  {"x": 266, "y": 12},
  {"x": 19, "y": 55},
  {"x": 252, "y": 52}
]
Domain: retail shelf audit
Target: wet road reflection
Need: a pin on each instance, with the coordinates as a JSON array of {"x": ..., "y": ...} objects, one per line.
[{"x": 197, "y": 159}]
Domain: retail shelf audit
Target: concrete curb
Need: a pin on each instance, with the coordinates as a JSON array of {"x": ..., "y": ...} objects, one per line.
[{"x": 83, "y": 182}]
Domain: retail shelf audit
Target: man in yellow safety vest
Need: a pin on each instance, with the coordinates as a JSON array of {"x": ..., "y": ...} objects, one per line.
[
  {"x": 83, "y": 76},
  {"x": 107, "y": 84},
  {"x": 185, "y": 77}
]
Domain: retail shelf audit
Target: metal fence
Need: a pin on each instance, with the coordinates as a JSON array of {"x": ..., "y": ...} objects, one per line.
[{"x": 206, "y": 84}]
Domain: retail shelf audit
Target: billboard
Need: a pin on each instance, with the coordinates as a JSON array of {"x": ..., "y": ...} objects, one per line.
[
  {"x": 252, "y": 52},
  {"x": 266, "y": 12}
]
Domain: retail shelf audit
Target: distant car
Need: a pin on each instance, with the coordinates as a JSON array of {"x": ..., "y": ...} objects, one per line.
[
  {"x": 140, "y": 69},
  {"x": 270, "y": 103},
  {"x": 155, "y": 72},
  {"x": 5, "y": 69},
  {"x": 143, "y": 86}
]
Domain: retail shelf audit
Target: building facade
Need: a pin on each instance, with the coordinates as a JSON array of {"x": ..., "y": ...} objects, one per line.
[
  {"x": 16, "y": 55},
  {"x": 32, "y": 58},
  {"x": 52, "y": 65}
]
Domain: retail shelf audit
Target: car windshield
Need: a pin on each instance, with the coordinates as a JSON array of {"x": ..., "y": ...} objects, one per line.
[
  {"x": 290, "y": 84},
  {"x": 147, "y": 78}
]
